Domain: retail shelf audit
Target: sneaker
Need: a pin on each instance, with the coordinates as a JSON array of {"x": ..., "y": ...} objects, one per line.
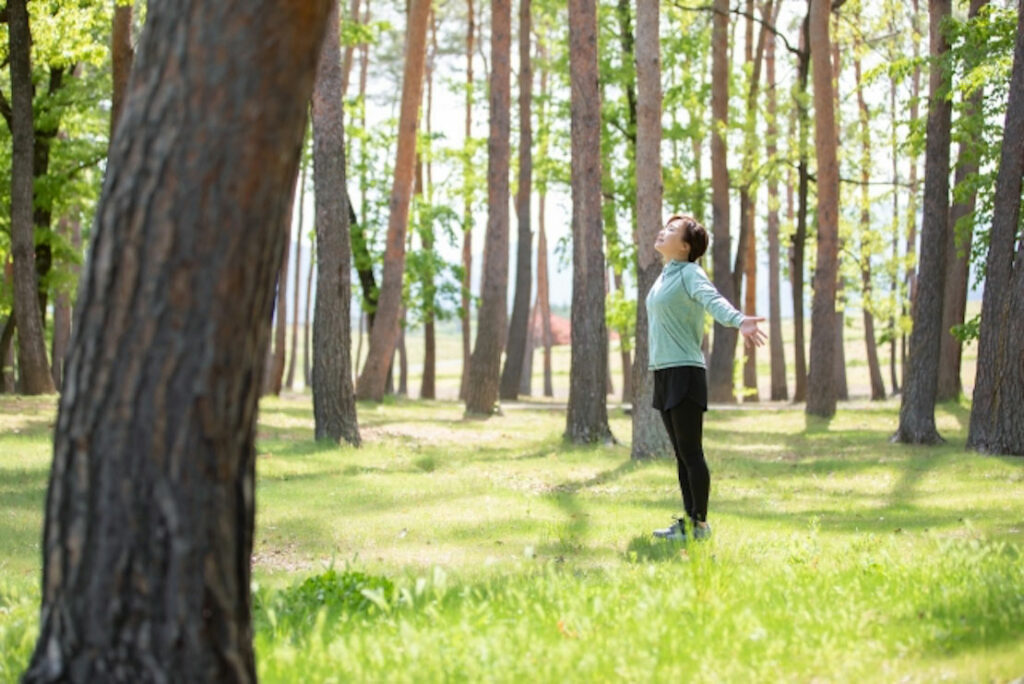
[
  {"x": 700, "y": 532},
  {"x": 674, "y": 532}
]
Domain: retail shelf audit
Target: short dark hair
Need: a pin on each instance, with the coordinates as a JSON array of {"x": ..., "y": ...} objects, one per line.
[{"x": 694, "y": 234}]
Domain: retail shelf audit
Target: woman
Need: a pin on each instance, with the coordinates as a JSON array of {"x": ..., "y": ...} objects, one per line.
[{"x": 675, "y": 308}]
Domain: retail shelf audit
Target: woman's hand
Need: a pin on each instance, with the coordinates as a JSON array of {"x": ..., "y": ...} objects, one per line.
[{"x": 754, "y": 335}]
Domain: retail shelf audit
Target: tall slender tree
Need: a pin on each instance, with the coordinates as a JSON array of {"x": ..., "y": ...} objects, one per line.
[
  {"x": 917, "y": 409},
  {"x": 723, "y": 352},
  {"x": 274, "y": 377},
  {"x": 385, "y": 331},
  {"x": 300, "y": 191},
  {"x": 867, "y": 236},
  {"x": 649, "y": 436},
  {"x": 149, "y": 514},
  {"x": 485, "y": 364},
  {"x": 958, "y": 247},
  {"x": 821, "y": 395},
  {"x": 32, "y": 363},
  {"x": 467, "y": 206},
  {"x": 779, "y": 389},
  {"x": 587, "y": 419},
  {"x": 996, "y": 426},
  {"x": 803, "y": 124},
  {"x": 519, "y": 326},
  {"x": 334, "y": 405}
]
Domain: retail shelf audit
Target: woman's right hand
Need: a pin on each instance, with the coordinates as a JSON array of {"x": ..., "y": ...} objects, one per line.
[{"x": 753, "y": 334}]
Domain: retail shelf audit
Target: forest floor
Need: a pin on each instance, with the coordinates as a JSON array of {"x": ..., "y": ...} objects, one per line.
[{"x": 449, "y": 548}]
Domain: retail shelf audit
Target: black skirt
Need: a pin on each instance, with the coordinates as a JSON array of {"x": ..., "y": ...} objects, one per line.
[{"x": 677, "y": 383}]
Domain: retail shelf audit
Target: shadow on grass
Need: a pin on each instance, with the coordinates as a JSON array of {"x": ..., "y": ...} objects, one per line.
[{"x": 646, "y": 549}]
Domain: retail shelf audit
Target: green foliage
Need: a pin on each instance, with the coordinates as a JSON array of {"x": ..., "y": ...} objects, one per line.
[
  {"x": 328, "y": 597},
  {"x": 620, "y": 314}
]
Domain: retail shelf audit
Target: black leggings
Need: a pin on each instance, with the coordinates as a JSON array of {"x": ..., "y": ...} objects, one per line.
[{"x": 685, "y": 425}]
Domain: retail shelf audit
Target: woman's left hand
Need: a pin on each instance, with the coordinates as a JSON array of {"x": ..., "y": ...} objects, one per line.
[{"x": 754, "y": 335}]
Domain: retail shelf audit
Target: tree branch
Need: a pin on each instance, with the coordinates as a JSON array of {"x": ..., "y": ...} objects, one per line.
[{"x": 747, "y": 15}]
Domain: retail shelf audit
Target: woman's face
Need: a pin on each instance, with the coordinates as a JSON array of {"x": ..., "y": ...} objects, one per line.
[{"x": 670, "y": 243}]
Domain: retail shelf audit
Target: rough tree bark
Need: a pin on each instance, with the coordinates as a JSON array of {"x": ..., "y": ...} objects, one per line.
[
  {"x": 958, "y": 253},
  {"x": 518, "y": 327},
  {"x": 996, "y": 426},
  {"x": 334, "y": 405},
  {"x": 385, "y": 330},
  {"x": 149, "y": 514},
  {"x": 649, "y": 436},
  {"x": 821, "y": 394},
  {"x": 587, "y": 416},
  {"x": 723, "y": 351},
  {"x": 33, "y": 369},
  {"x": 485, "y": 364},
  {"x": 917, "y": 409}
]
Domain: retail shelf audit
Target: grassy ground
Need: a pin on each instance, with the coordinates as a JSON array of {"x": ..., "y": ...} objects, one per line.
[{"x": 453, "y": 549}]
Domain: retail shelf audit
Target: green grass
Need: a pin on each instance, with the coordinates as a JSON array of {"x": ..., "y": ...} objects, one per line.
[{"x": 456, "y": 549}]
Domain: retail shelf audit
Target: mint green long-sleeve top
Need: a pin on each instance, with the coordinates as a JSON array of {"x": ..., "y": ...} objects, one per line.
[{"x": 675, "y": 313}]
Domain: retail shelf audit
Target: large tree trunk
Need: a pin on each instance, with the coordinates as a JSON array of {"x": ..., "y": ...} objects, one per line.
[
  {"x": 300, "y": 192},
  {"x": 776, "y": 351},
  {"x": 517, "y": 330},
  {"x": 821, "y": 394},
  {"x": 958, "y": 253},
  {"x": 121, "y": 58},
  {"x": 385, "y": 330},
  {"x": 723, "y": 352},
  {"x": 334, "y": 405},
  {"x": 485, "y": 364},
  {"x": 649, "y": 436},
  {"x": 149, "y": 514},
  {"x": 467, "y": 208},
  {"x": 800, "y": 235},
  {"x": 33, "y": 369},
  {"x": 867, "y": 237},
  {"x": 996, "y": 425},
  {"x": 587, "y": 419},
  {"x": 917, "y": 410}
]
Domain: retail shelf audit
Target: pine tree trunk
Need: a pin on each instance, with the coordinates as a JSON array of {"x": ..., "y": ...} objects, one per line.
[
  {"x": 800, "y": 236},
  {"x": 750, "y": 393},
  {"x": 776, "y": 350},
  {"x": 894, "y": 337},
  {"x": 33, "y": 368},
  {"x": 587, "y": 419},
  {"x": 485, "y": 364},
  {"x": 121, "y": 58},
  {"x": 842, "y": 388},
  {"x": 467, "y": 208},
  {"x": 526, "y": 377},
  {"x": 910, "y": 259},
  {"x": 334, "y": 405},
  {"x": 149, "y": 513},
  {"x": 958, "y": 253},
  {"x": 723, "y": 352},
  {"x": 996, "y": 425},
  {"x": 346, "y": 60},
  {"x": 649, "y": 436},
  {"x": 917, "y": 410},
  {"x": 7, "y": 357},
  {"x": 517, "y": 331},
  {"x": 821, "y": 394},
  {"x": 385, "y": 330}
]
